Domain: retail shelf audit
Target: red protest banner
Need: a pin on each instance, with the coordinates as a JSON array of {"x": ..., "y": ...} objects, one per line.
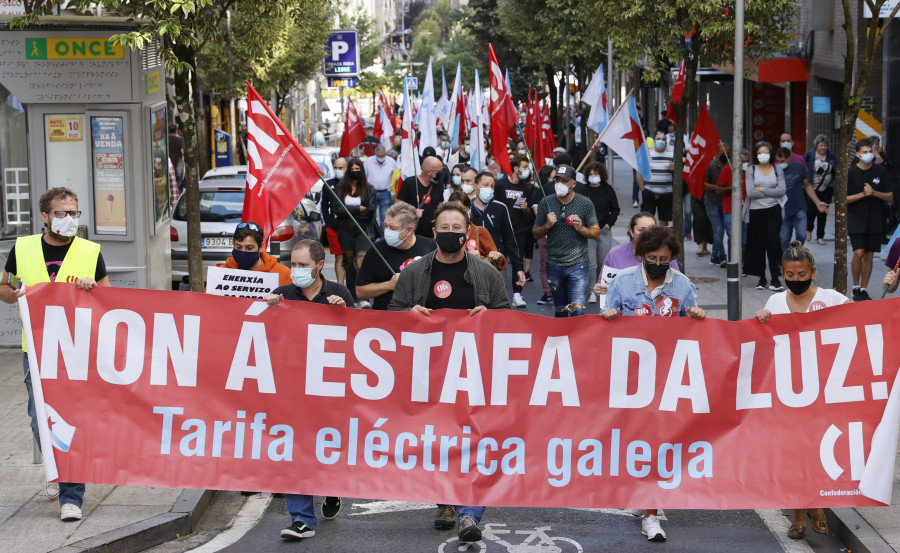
[{"x": 165, "y": 388}]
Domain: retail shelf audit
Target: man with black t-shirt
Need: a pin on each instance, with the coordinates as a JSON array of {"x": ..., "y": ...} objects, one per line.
[
  {"x": 451, "y": 278},
  {"x": 518, "y": 195},
  {"x": 868, "y": 187},
  {"x": 400, "y": 246},
  {"x": 308, "y": 284},
  {"x": 423, "y": 192},
  {"x": 55, "y": 256}
]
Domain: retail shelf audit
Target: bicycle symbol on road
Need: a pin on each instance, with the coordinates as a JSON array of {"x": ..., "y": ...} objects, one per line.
[{"x": 536, "y": 541}]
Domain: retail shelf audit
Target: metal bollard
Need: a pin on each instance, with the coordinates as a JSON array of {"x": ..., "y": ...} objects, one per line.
[{"x": 38, "y": 459}]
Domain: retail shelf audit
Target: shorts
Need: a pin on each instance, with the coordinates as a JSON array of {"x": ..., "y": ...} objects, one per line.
[
  {"x": 353, "y": 241},
  {"x": 869, "y": 242},
  {"x": 334, "y": 246},
  {"x": 658, "y": 204}
]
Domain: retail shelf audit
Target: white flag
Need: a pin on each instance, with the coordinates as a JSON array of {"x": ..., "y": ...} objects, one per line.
[
  {"x": 595, "y": 96},
  {"x": 442, "y": 109},
  {"x": 427, "y": 128}
]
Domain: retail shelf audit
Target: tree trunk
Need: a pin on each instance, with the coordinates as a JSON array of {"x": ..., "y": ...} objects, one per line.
[
  {"x": 554, "y": 117},
  {"x": 201, "y": 122},
  {"x": 187, "y": 124},
  {"x": 691, "y": 64}
]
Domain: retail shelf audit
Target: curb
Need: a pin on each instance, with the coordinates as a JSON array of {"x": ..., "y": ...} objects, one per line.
[
  {"x": 181, "y": 520},
  {"x": 856, "y": 533}
]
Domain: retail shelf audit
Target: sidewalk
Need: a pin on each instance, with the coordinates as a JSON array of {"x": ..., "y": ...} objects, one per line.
[{"x": 116, "y": 518}]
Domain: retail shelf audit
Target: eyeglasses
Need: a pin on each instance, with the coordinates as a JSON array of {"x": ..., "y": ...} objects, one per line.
[
  {"x": 658, "y": 260},
  {"x": 60, "y": 214},
  {"x": 251, "y": 226}
]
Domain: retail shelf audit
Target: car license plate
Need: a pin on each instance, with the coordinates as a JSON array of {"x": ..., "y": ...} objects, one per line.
[{"x": 216, "y": 242}]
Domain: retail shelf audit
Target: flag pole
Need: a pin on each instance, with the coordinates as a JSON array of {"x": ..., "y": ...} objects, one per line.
[
  {"x": 600, "y": 136},
  {"x": 537, "y": 177},
  {"x": 897, "y": 266},
  {"x": 355, "y": 222}
]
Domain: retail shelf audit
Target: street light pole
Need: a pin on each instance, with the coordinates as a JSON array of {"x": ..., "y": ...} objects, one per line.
[{"x": 734, "y": 272}]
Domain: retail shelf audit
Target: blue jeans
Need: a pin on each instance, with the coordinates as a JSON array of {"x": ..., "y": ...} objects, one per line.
[
  {"x": 301, "y": 508},
  {"x": 717, "y": 220},
  {"x": 688, "y": 215},
  {"x": 475, "y": 513},
  {"x": 68, "y": 492},
  {"x": 383, "y": 201},
  {"x": 795, "y": 223},
  {"x": 567, "y": 285}
]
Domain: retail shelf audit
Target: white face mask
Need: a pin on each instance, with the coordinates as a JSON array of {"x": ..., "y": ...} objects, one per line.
[
  {"x": 524, "y": 174},
  {"x": 66, "y": 226},
  {"x": 561, "y": 189},
  {"x": 302, "y": 276},
  {"x": 468, "y": 189},
  {"x": 763, "y": 158}
]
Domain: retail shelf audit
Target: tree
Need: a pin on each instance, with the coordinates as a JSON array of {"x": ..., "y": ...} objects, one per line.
[
  {"x": 851, "y": 98},
  {"x": 369, "y": 39},
  {"x": 183, "y": 29},
  {"x": 700, "y": 32}
]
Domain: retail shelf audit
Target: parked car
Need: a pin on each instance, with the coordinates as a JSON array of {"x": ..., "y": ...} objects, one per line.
[{"x": 221, "y": 207}]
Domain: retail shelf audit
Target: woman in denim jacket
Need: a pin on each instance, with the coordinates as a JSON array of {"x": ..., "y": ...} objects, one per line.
[{"x": 653, "y": 289}]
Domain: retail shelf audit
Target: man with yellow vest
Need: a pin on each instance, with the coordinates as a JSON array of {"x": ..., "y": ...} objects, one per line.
[{"x": 55, "y": 256}]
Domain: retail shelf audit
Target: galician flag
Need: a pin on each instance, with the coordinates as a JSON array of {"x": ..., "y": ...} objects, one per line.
[
  {"x": 625, "y": 136},
  {"x": 595, "y": 96},
  {"x": 479, "y": 156},
  {"x": 457, "y": 109},
  {"x": 442, "y": 109},
  {"x": 427, "y": 127},
  {"x": 409, "y": 157}
]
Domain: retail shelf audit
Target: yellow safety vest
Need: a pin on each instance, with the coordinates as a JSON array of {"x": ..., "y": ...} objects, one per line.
[{"x": 80, "y": 262}]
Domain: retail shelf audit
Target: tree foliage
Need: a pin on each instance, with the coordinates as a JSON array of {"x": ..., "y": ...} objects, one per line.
[{"x": 369, "y": 39}]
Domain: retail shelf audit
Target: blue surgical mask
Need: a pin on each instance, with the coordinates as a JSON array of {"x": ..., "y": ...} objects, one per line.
[
  {"x": 524, "y": 174},
  {"x": 867, "y": 158},
  {"x": 338, "y": 174},
  {"x": 302, "y": 277},
  {"x": 594, "y": 180},
  {"x": 787, "y": 145},
  {"x": 468, "y": 149},
  {"x": 379, "y": 159},
  {"x": 445, "y": 144},
  {"x": 782, "y": 166},
  {"x": 456, "y": 180},
  {"x": 486, "y": 194},
  {"x": 392, "y": 237}
]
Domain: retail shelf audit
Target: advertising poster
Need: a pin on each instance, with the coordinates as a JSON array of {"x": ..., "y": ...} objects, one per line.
[
  {"x": 108, "y": 157},
  {"x": 159, "y": 156},
  {"x": 64, "y": 129}
]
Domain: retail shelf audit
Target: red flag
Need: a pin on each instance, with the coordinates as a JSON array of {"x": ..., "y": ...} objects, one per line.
[
  {"x": 280, "y": 171},
  {"x": 529, "y": 122},
  {"x": 677, "y": 92},
  {"x": 701, "y": 152},
  {"x": 501, "y": 124},
  {"x": 547, "y": 131},
  {"x": 354, "y": 133}
]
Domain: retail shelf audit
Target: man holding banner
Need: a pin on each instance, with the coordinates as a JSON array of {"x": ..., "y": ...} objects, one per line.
[{"x": 56, "y": 255}]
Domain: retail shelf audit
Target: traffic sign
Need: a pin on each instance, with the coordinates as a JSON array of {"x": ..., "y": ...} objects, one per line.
[
  {"x": 412, "y": 83},
  {"x": 336, "y": 82},
  {"x": 342, "y": 54}
]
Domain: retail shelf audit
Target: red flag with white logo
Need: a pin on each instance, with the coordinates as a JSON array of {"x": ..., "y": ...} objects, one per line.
[
  {"x": 354, "y": 133},
  {"x": 501, "y": 125},
  {"x": 384, "y": 122},
  {"x": 701, "y": 152},
  {"x": 280, "y": 171},
  {"x": 677, "y": 92}
]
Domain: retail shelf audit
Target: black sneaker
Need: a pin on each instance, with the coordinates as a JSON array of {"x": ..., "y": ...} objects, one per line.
[
  {"x": 468, "y": 530},
  {"x": 857, "y": 294},
  {"x": 528, "y": 277},
  {"x": 863, "y": 295},
  {"x": 723, "y": 265},
  {"x": 545, "y": 299},
  {"x": 446, "y": 518},
  {"x": 297, "y": 531},
  {"x": 761, "y": 285},
  {"x": 776, "y": 286},
  {"x": 331, "y": 507}
]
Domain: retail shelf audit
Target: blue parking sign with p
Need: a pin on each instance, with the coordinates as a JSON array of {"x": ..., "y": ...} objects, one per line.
[{"x": 342, "y": 54}]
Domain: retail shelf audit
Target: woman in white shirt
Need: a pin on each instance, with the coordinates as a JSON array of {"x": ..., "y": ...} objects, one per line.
[
  {"x": 762, "y": 210},
  {"x": 802, "y": 296}
]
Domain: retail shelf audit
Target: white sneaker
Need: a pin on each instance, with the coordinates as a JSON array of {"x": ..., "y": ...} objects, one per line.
[
  {"x": 363, "y": 304},
  {"x": 592, "y": 299},
  {"x": 67, "y": 512},
  {"x": 634, "y": 204},
  {"x": 52, "y": 490},
  {"x": 518, "y": 301},
  {"x": 650, "y": 527}
]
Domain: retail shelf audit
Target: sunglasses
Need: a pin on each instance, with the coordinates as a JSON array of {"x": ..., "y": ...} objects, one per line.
[{"x": 252, "y": 226}]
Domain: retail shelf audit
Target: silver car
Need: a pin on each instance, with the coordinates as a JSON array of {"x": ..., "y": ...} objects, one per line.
[{"x": 221, "y": 207}]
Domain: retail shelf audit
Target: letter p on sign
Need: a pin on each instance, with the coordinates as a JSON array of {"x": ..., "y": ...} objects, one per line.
[{"x": 338, "y": 47}]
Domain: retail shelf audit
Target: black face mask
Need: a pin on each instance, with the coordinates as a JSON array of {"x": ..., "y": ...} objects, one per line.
[
  {"x": 655, "y": 271},
  {"x": 245, "y": 260},
  {"x": 723, "y": 159},
  {"x": 355, "y": 175},
  {"x": 450, "y": 242},
  {"x": 798, "y": 287}
]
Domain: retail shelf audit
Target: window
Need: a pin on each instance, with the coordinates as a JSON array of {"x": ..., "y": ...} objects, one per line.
[{"x": 15, "y": 187}]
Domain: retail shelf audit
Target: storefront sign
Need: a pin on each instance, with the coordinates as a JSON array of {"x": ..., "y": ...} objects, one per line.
[
  {"x": 108, "y": 155},
  {"x": 64, "y": 129},
  {"x": 162, "y": 388},
  {"x": 240, "y": 284},
  {"x": 72, "y": 49},
  {"x": 151, "y": 83}
]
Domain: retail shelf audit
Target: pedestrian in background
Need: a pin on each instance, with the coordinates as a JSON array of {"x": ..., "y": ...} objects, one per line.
[
  {"x": 379, "y": 172},
  {"x": 358, "y": 199},
  {"x": 820, "y": 164},
  {"x": 657, "y": 192},
  {"x": 798, "y": 191},
  {"x": 802, "y": 296},
  {"x": 713, "y": 205},
  {"x": 479, "y": 240},
  {"x": 762, "y": 213},
  {"x": 546, "y": 175},
  {"x": 606, "y": 207}
]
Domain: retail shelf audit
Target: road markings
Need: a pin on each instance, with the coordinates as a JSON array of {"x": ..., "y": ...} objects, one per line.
[
  {"x": 779, "y": 524},
  {"x": 253, "y": 510},
  {"x": 379, "y": 507}
]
